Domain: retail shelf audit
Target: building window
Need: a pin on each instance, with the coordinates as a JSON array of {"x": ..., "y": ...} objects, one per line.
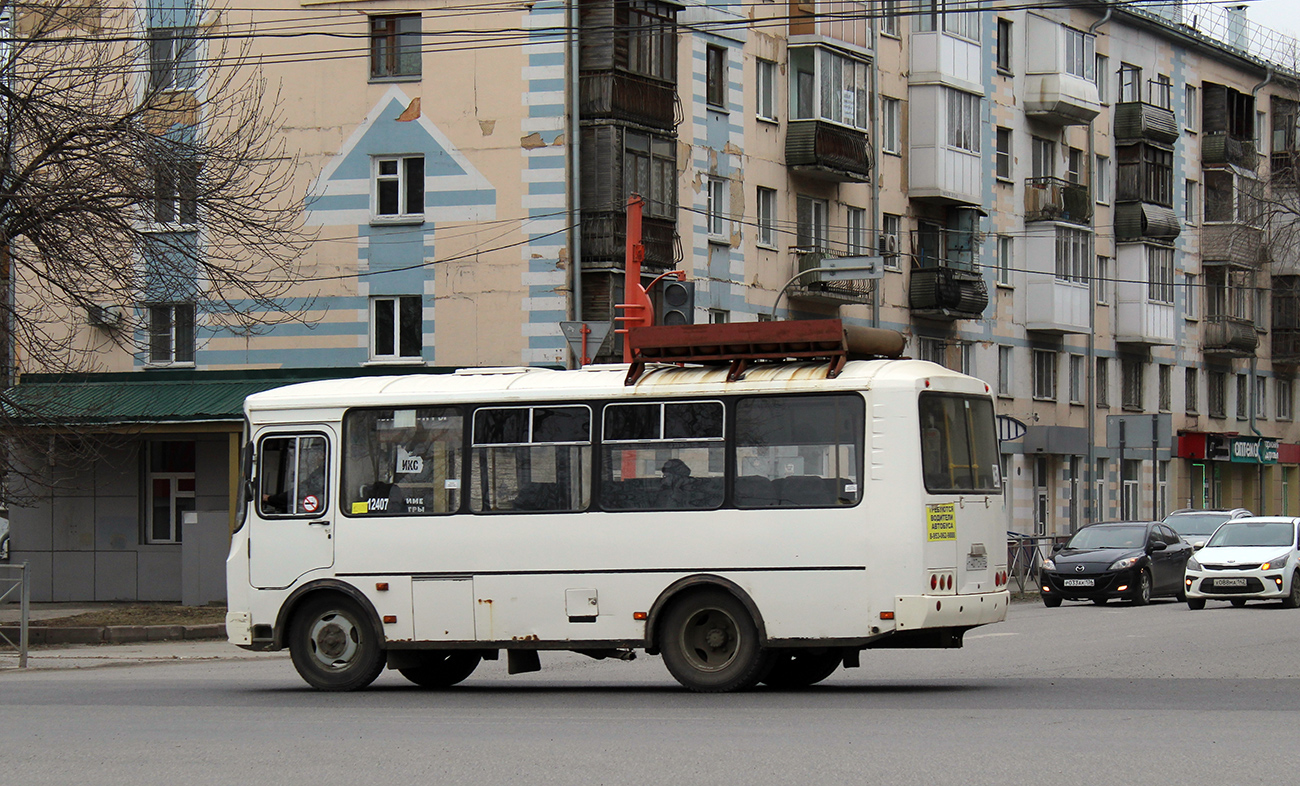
[
  {"x": 1232, "y": 198},
  {"x": 890, "y": 117},
  {"x": 766, "y": 87},
  {"x": 652, "y": 51},
  {"x": 715, "y": 77},
  {"x": 1191, "y": 296},
  {"x": 1080, "y": 54},
  {"x": 1002, "y": 156},
  {"x": 889, "y": 17},
  {"x": 1189, "y": 202},
  {"x": 766, "y": 216},
  {"x": 171, "y": 334},
  {"x": 1103, "y": 382},
  {"x": 1261, "y": 133},
  {"x": 811, "y": 223},
  {"x": 1006, "y": 259},
  {"x": 964, "y": 119},
  {"x": 1073, "y": 253},
  {"x": 1217, "y": 392},
  {"x": 173, "y": 56},
  {"x": 1189, "y": 108},
  {"x": 1003, "y": 46},
  {"x": 827, "y": 85},
  {"x": 1160, "y": 272},
  {"x": 396, "y": 328},
  {"x": 1284, "y": 393},
  {"x": 651, "y": 171},
  {"x": 171, "y": 489},
  {"x": 1131, "y": 373},
  {"x": 1044, "y": 375},
  {"x": 1102, "y": 79},
  {"x": 1191, "y": 398},
  {"x": 395, "y": 46},
  {"x": 1261, "y": 397},
  {"x": 1102, "y": 176},
  {"x": 176, "y": 188},
  {"x": 1076, "y": 379},
  {"x": 719, "y": 316},
  {"x": 1103, "y": 281},
  {"x": 891, "y": 239},
  {"x": 1162, "y": 90},
  {"x": 1243, "y": 396},
  {"x": 1145, "y": 174},
  {"x": 1165, "y": 385},
  {"x": 1074, "y": 165},
  {"x": 716, "y": 208},
  {"x": 1130, "y": 83},
  {"x": 857, "y": 231},
  {"x": 399, "y": 188},
  {"x": 1228, "y": 292},
  {"x": 1006, "y": 370},
  {"x": 1043, "y": 157}
]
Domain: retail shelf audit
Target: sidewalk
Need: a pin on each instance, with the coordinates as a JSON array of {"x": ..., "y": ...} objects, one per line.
[
  {"x": 89, "y": 656},
  {"x": 38, "y": 635}
]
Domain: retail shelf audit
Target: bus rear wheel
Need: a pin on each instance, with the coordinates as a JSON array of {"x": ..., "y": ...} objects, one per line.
[
  {"x": 801, "y": 668},
  {"x": 442, "y": 669},
  {"x": 335, "y": 645},
  {"x": 711, "y": 644}
]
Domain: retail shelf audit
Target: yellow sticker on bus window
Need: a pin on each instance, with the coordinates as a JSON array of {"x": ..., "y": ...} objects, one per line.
[
  {"x": 359, "y": 507},
  {"x": 941, "y": 521}
]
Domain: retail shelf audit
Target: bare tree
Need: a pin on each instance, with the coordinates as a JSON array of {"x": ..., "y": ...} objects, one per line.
[{"x": 137, "y": 166}]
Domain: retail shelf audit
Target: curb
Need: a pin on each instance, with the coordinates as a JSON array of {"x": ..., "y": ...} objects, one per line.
[{"x": 114, "y": 634}]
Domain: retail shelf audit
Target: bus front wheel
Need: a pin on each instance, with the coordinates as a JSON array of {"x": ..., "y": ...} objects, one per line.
[
  {"x": 711, "y": 644},
  {"x": 334, "y": 644},
  {"x": 442, "y": 669}
]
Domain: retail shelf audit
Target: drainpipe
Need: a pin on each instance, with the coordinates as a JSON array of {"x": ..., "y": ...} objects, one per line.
[
  {"x": 1254, "y": 91},
  {"x": 574, "y": 133},
  {"x": 1104, "y": 19},
  {"x": 875, "y": 180},
  {"x": 1091, "y": 494}
]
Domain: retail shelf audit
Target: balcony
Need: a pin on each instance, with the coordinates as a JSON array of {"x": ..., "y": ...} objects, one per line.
[
  {"x": 613, "y": 95},
  {"x": 1237, "y": 244},
  {"x": 1054, "y": 199},
  {"x": 947, "y": 293},
  {"x": 1226, "y": 336},
  {"x": 835, "y": 293},
  {"x": 827, "y": 151},
  {"x": 1058, "y": 260},
  {"x": 1144, "y": 311},
  {"x": 1143, "y": 220},
  {"x": 604, "y": 241},
  {"x": 1220, "y": 149},
  {"x": 1061, "y": 99},
  {"x": 1285, "y": 330},
  {"x": 1140, "y": 120}
]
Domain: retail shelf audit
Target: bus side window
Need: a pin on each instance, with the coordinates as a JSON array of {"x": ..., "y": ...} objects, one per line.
[
  {"x": 291, "y": 475},
  {"x": 663, "y": 456},
  {"x": 531, "y": 459},
  {"x": 799, "y": 452},
  {"x": 402, "y": 461}
]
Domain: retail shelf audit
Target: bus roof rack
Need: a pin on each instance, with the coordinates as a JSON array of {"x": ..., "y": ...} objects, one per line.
[{"x": 741, "y": 343}]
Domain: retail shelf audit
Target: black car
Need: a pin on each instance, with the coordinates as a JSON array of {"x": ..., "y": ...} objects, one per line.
[{"x": 1135, "y": 560}]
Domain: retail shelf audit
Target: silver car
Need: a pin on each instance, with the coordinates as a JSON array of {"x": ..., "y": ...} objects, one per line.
[{"x": 1196, "y": 526}]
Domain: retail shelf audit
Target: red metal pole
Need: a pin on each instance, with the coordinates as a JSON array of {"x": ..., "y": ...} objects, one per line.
[{"x": 635, "y": 309}]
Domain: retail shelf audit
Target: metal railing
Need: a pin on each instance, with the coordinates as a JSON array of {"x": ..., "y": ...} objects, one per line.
[
  {"x": 1025, "y": 555},
  {"x": 14, "y": 586}
]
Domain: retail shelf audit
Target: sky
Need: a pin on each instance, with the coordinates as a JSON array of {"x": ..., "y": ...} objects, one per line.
[{"x": 1281, "y": 15}]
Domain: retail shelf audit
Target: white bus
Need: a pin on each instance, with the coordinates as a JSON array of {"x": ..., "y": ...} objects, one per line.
[{"x": 766, "y": 529}]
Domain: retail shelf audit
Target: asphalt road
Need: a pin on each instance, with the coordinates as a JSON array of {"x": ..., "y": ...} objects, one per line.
[{"x": 1076, "y": 695}]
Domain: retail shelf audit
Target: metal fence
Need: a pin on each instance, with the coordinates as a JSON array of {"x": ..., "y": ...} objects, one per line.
[
  {"x": 1025, "y": 555},
  {"x": 14, "y": 587}
]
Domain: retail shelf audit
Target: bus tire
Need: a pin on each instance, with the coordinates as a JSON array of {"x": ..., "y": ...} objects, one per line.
[
  {"x": 711, "y": 644},
  {"x": 442, "y": 668},
  {"x": 334, "y": 644},
  {"x": 801, "y": 668}
]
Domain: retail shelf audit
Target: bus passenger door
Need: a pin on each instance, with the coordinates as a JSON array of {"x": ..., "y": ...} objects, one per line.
[{"x": 292, "y": 526}]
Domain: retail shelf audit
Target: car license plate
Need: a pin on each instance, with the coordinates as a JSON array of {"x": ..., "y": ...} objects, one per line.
[
  {"x": 1078, "y": 582},
  {"x": 977, "y": 562},
  {"x": 1229, "y": 582}
]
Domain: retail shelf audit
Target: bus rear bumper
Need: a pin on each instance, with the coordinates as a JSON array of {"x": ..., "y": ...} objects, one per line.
[{"x": 917, "y": 612}]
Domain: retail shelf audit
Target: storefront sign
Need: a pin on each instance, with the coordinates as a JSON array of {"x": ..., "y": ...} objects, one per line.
[{"x": 1253, "y": 450}]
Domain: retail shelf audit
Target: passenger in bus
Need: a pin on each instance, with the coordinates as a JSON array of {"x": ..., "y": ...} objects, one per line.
[
  {"x": 384, "y": 497},
  {"x": 675, "y": 483}
]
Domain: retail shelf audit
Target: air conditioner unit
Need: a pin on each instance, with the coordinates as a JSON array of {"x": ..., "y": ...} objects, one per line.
[
  {"x": 888, "y": 245},
  {"x": 103, "y": 315}
]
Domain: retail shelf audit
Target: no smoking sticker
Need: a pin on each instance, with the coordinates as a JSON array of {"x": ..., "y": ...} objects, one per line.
[{"x": 310, "y": 503}]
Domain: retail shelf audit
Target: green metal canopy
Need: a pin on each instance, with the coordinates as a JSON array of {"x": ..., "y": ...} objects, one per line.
[{"x": 157, "y": 395}]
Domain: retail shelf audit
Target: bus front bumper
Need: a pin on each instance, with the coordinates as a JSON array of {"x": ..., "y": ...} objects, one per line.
[{"x": 917, "y": 612}]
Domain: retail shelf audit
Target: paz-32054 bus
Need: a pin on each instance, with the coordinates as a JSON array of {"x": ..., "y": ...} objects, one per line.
[{"x": 760, "y": 529}]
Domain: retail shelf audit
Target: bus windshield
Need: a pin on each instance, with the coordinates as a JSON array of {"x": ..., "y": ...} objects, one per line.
[{"x": 958, "y": 449}]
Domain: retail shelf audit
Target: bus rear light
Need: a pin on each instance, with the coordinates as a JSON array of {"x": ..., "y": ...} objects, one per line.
[
  {"x": 886, "y": 615},
  {"x": 950, "y": 582},
  {"x": 934, "y": 581}
]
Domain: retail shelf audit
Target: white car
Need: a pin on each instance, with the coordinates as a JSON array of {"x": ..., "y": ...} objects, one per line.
[{"x": 1254, "y": 558}]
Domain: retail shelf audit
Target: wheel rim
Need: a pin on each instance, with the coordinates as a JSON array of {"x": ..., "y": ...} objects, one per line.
[
  {"x": 710, "y": 640},
  {"x": 334, "y": 640},
  {"x": 1146, "y": 587}
]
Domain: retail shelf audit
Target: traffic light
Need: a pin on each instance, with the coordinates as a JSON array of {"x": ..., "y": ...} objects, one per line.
[{"x": 676, "y": 303}]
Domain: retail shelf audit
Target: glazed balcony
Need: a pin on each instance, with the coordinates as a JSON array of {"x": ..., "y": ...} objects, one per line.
[
  {"x": 1061, "y": 99},
  {"x": 604, "y": 241}
]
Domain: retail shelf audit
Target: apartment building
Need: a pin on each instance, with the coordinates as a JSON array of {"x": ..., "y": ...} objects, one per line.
[{"x": 1066, "y": 202}]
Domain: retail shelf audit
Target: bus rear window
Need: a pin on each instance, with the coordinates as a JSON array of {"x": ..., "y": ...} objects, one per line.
[{"x": 959, "y": 450}]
